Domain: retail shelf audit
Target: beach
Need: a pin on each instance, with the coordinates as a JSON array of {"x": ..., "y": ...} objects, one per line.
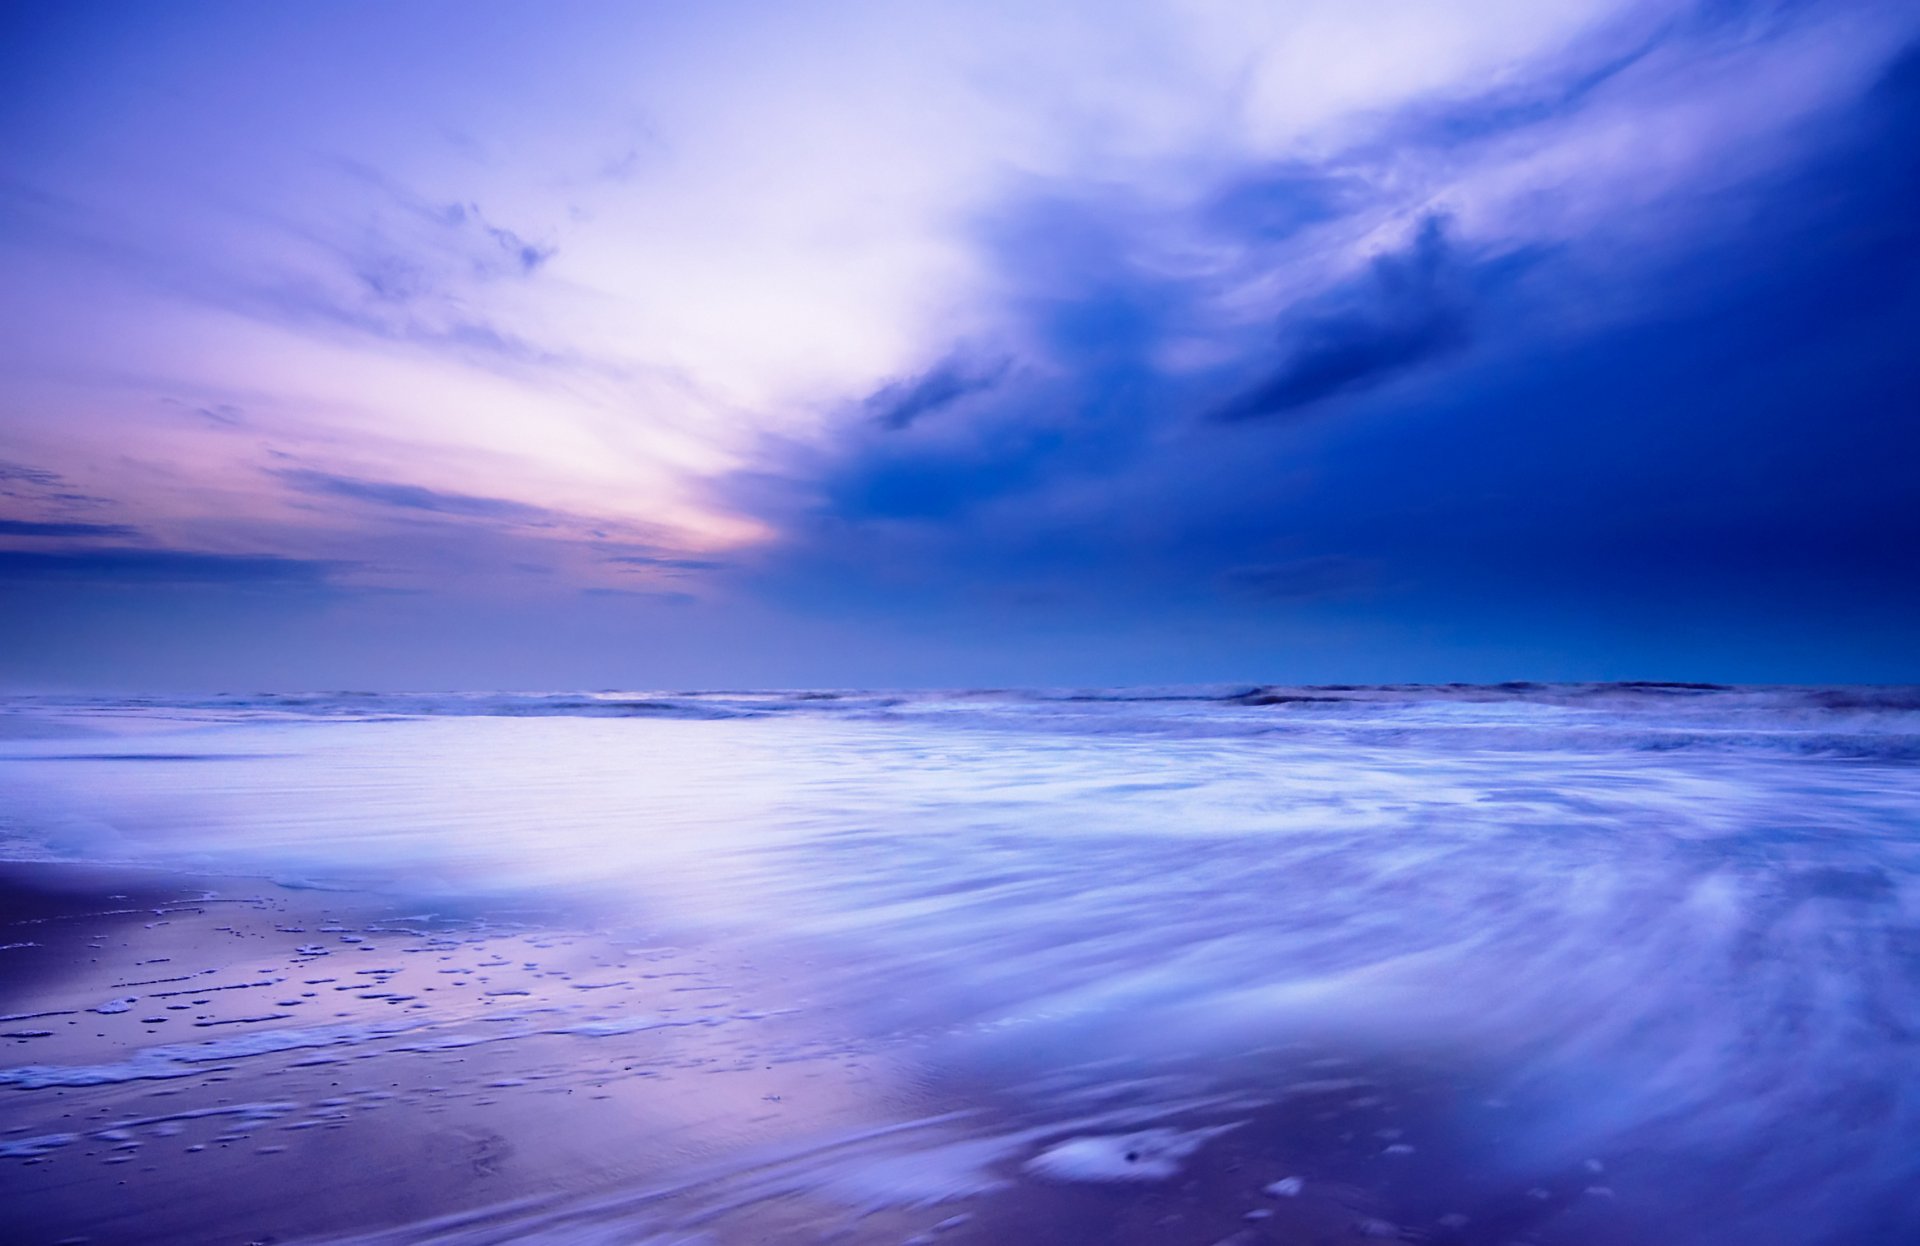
[
  {"x": 232, "y": 1060},
  {"x": 1560, "y": 966}
]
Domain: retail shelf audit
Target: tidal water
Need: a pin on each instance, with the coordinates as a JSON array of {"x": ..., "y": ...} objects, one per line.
[{"x": 1567, "y": 963}]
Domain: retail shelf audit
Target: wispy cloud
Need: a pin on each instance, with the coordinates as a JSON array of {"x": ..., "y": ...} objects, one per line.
[
  {"x": 658, "y": 596},
  {"x": 57, "y": 528},
  {"x": 120, "y": 564},
  {"x": 42, "y": 489},
  {"x": 667, "y": 563},
  {"x": 410, "y": 497},
  {"x": 23, "y": 474}
]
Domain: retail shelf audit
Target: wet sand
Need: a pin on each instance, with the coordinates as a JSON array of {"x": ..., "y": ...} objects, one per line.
[
  {"x": 194, "y": 1060},
  {"x": 228, "y": 1060}
]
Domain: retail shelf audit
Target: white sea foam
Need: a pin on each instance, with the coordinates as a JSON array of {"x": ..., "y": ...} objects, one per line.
[
  {"x": 187, "y": 1059},
  {"x": 1144, "y": 1155}
]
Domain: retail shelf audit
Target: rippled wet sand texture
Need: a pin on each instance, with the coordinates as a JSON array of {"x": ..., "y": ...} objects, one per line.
[
  {"x": 254, "y": 1063},
  {"x": 1569, "y": 965},
  {"x": 239, "y": 1061}
]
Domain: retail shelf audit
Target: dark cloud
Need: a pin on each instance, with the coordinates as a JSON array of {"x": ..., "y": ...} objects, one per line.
[
  {"x": 900, "y": 403},
  {"x": 418, "y": 498},
  {"x": 667, "y": 563},
  {"x": 1070, "y": 392},
  {"x": 1413, "y": 310},
  {"x": 41, "y": 488},
  {"x": 635, "y": 594},
  {"x": 122, "y": 564},
  {"x": 23, "y": 474},
  {"x": 28, "y": 527},
  {"x": 1702, "y": 412}
]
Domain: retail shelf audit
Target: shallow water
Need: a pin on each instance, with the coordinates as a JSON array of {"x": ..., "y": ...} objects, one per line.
[{"x": 1646, "y": 956}]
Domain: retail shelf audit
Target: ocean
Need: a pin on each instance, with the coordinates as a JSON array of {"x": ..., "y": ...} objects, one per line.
[{"x": 1586, "y": 963}]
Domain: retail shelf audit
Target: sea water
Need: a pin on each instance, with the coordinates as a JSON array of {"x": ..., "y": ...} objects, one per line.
[{"x": 1661, "y": 942}]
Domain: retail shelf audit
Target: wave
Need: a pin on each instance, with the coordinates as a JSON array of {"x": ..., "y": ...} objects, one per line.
[{"x": 1866, "y": 723}]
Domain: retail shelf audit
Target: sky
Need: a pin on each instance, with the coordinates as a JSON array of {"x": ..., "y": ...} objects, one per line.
[{"x": 491, "y": 345}]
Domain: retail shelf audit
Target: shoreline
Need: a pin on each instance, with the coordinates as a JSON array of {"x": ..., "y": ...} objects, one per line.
[
  {"x": 218, "y": 1051},
  {"x": 191, "y": 1059}
]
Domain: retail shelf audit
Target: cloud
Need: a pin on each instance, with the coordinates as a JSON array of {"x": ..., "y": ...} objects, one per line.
[
  {"x": 528, "y": 256},
  {"x": 665, "y": 598},
  {"x": 403, "y": 274},
  {"x": 123, "y": 564},
  {"x": 899, "y": 404},
  {"x": 23, "y": 474},
  {"x": 28, "y": 527},
  {"x": 397, "y": 311},
  {"x": 998, "y": 342},
  {"x": 367, "y": 258},
  {"x": 519, "y": 255},
  {"x": 1144, "y": 443},
  {"x": 1411, "y": 311},
  {"x": 410, "y": 247},
  {"x": 667, "y": 563},
  {"x": 42, "y": 488},
  {"x": 224, "y": 414},
  {"x": 419, "y": 498}
]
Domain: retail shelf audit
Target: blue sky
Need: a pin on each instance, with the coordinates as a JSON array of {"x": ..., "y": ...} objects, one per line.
[{"x": 514, "y": 345}]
